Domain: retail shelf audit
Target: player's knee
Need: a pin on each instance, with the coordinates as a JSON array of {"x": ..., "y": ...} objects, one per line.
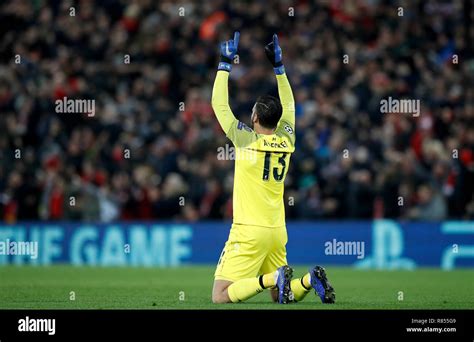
[
  {"x": 220, "y": 298},
  {"x": 219, "y": 292},
  {"x": 216, "y": 300}
]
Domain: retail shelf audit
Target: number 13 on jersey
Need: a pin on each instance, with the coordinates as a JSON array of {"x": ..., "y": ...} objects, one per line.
[{"x": 270, "y": 169}]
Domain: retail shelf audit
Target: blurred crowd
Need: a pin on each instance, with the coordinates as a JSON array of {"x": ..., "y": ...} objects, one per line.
[{"x": 150, "y": 150}]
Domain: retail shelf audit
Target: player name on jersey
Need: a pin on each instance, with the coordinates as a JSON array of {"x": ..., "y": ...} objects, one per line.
[{"x": 282, "y": 144}]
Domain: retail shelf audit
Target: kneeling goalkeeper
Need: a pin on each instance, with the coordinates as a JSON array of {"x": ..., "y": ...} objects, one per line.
[{"x": 254, "y": 256}]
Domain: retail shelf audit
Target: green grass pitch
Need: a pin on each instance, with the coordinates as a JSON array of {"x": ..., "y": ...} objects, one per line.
[{"x": 28, "y": 287}]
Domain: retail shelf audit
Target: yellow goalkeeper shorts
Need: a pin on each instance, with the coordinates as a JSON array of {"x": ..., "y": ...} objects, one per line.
[{"x": 251, "y": 251}]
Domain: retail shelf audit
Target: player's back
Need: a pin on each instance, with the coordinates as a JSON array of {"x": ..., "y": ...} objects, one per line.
[
  {"x": 261, "y": 166},
  {"x": 261, "y": 160}
]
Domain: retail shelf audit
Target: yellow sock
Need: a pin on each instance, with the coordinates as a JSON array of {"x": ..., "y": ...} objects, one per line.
[
  {"x": 307, "y": 281},
  {"x": 298, "y": 289},
  {"x": 244, "y": 289},
  {"x": 269, "y": 280}
]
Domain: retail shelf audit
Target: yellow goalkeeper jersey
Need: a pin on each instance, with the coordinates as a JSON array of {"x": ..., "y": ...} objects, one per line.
[{"x": 261, "y": 161}]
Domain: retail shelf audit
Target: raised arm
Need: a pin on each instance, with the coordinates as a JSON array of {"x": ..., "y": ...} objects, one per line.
[
  {"x": 220, "y": 101},
  {"x": 286, "y": 99},
  {"x": 274, "y": 54},
  {"x": 220, "y": 91}
]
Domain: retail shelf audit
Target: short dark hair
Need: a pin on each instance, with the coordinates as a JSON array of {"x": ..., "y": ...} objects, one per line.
[{"x": 268, "y": 109}]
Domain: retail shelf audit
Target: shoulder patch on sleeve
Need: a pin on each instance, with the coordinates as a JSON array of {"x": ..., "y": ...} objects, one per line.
[
  {"x": 241, "y": 126},
  {"x": 288, "y": 129}
]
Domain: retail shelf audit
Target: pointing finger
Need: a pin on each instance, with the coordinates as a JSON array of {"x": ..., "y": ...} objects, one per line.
[
  {"x": 275, "y": 40},
  {"x": 236, "y": 39}
]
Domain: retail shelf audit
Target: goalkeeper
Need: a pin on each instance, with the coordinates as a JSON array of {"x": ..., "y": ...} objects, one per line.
[{"x": 254, "y": 256}]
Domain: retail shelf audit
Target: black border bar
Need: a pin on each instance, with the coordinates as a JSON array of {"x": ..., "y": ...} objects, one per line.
[{"x": 321, "y": 324}]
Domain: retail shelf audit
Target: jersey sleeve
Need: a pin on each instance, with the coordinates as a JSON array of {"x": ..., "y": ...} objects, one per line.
[
  {"x": 239, "y": 133},
  {"x": 220, "y": 101},
  {"x": 286, "y": 125}
]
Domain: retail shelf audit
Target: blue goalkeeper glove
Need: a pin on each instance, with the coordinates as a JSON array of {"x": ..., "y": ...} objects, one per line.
[
  {"x": 274, "y": 55},
  {"x": 228, "y": 51}
]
